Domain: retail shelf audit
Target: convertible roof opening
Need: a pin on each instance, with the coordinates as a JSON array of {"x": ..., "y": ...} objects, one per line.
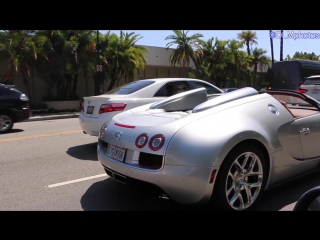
[
  {"x": 197, "y": 100},
  {"x": 182, "y": 101},
  {"x": 234, "y": 95}
]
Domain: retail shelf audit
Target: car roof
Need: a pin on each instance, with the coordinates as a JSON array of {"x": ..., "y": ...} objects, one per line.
[
  {"x": 314, "y": 76},
  {"x": 170, "y": 79}
]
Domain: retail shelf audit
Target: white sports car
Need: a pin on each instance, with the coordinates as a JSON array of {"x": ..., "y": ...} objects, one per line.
[
  {"x": 230, "y": 148},
  {"x": 97, "y": 110}
]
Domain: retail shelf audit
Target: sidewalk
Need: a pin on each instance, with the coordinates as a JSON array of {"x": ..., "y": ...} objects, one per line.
[{"x": 52, "y": 116}]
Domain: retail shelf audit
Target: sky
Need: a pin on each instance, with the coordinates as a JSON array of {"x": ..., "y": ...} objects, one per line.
[{"x": 304, "y": 42}]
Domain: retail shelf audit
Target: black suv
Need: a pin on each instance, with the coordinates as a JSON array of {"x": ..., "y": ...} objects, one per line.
[{"x": 14, "y": 107}]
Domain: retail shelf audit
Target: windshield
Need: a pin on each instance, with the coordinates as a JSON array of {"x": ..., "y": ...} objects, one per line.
[{"x": 130, "y": 87}]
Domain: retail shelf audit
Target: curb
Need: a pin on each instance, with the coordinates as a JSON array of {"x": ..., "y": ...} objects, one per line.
[{"x": 44, "y": 118}]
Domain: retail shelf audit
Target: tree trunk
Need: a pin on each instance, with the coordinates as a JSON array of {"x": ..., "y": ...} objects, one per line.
[
  {"x": 281, "y": 46},
  {"x": 26, "y": 83},
  {"x": 195, "y": 64},
  {"x": 272, "y": 52},
  {"x": 248, "y": 48},
  {"x": 86, "y": 85},
  {"x": 254, "y": 73},
  {"x": 74, "y": 86},
  {"x": 67, "y": 87},
  {"x": 112, "y": 82}
]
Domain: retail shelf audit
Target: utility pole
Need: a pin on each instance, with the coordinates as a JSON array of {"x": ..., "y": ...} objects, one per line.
[{"x": 98, "y": 91}]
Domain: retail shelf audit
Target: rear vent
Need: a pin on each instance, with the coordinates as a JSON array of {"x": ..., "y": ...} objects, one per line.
[
  {"x": 150, "y": 161},
  {"x": 103, "y": 144}
]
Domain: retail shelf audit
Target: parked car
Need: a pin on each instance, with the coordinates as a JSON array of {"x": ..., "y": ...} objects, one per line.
[
  {"x": 227, "y": 90},
  {"x": 96, "y": 110},
  {"x": 311, "y": 87},
  {"x": 230, "y": 148},
  {"x": 14, "y": 107},
  {"x": 309, "y": 201}
]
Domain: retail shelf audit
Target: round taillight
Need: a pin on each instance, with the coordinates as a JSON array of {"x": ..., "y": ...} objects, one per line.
[
  {"x": 141, "y": 140},
  {"x": 102, "y": 130},
  {"x": 156, "y": 142}
]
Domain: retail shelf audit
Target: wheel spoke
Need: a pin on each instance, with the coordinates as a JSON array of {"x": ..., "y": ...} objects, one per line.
[
  {"x": 237, "y": 166},
  {"x": 252, "y": 164},
  {"x": 253, "y": 185},
  {"x": 241, "y": 201},
  {"x": 250, "y": 174},
  {"x": 230, "y": 188},
  {"x": 248, "y": 193},
  {"x": 231, "y": 175},
  {"x": 235, "y": 196},
  {"x": 245, "y": 161}
]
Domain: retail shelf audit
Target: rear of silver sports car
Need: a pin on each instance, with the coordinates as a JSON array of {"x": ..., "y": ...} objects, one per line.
[{"x": 137, "y": 155}]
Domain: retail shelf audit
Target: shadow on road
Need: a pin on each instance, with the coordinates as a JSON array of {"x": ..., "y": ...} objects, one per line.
[
  {"x": 109, "y": 195},
  {"x": 281, "y": 196},
  {"x": 14, "y": 130},
  {"x": 84, "y": 152}
]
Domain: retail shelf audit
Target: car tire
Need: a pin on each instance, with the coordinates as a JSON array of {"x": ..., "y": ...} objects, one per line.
[
  {"x": 6, "y": 118},
  {"x": 234, "y": 184}
]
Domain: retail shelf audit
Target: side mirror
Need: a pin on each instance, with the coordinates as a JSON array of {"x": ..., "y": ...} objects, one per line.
[{"x": 309, "y": 201}]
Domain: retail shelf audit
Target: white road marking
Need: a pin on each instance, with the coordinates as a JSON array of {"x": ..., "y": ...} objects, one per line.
[{"x": 77, "y": 180}]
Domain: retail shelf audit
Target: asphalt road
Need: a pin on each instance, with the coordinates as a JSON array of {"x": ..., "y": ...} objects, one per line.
[{"x": 52, "y": 166}]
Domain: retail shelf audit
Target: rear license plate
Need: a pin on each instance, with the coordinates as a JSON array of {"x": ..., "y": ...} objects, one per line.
[
  {"x": 316, "y": 91},
  {"x": 116, "y": 152},
  {"x": 90, "y": 109}
]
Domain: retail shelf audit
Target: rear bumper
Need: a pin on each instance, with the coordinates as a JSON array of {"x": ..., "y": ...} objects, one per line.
[
  {"x": 91, "y": 125},
  {"x": 182, "y": 184},
  {"x": 21, "y": 115}
]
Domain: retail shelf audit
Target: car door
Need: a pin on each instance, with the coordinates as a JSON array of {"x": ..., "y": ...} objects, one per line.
[
  {"x": 308, "y": 129},
  {"x": 170, "y": 89},
  {"x": 211, "y": 91},
  {"x": 307, "y": 124}
]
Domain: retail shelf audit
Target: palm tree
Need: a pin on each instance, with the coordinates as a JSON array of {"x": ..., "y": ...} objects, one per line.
[
  {"x": 259, "y": 58},
  {"x": 271, "y": 45},
  {"x": 69, "y": 53},
  {"x": 281, "y": 46},
  {"x": 249, "y": 38},
  {"x": 240, "y": 62},
  {"x": 123, "y": 58},
  {"x": 188, "y": 47},
  {"x": 20, "y": 48},
  {"x": 77, "y": 44}
]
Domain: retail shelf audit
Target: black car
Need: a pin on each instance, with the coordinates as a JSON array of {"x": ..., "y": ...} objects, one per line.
[{"x": 14, "y": 107}]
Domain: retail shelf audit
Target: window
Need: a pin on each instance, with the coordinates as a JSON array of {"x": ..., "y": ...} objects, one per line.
[
  {"x": 171, "y": 89},
  {"x": 312, "y": 81},
  {"x": 210, "y": 89},
  {"x": 130, "y": 88}
]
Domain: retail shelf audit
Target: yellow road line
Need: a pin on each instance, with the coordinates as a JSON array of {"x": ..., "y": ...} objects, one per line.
[{"x": 39, "y": 136}]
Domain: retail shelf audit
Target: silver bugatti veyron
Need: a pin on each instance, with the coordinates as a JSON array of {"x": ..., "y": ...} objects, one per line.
[{"x": 228, "y": 149}]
